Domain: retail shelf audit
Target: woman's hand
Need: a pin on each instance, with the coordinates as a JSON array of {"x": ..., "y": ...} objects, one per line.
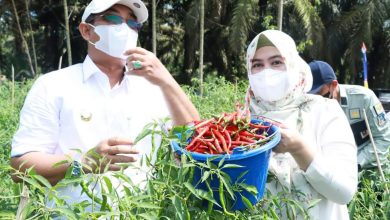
[
  {"x": 109, "y": 153},
  {"x": 144, "y": 63},
  {"x": 293, "y": 142}
]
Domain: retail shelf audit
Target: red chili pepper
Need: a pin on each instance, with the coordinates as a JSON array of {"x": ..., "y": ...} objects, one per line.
[
  {"x": 221, "y": 139},
  {"x": 248, "y": 134},
  {"x": 258, "y": 126},
  {"x": 228, "y": 138},
  {"x": 216, "y": 142},
  {"x": 241, "y": 143},
  {"x": 243, "y": 138},
  {"x": 212, "y": 148},
  {"x": 203, "y": 123},
  {"x": 197, "y": 137}
]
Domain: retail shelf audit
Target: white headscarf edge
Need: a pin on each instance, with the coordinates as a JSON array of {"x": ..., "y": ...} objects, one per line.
[{"x": 287, "y": 47}]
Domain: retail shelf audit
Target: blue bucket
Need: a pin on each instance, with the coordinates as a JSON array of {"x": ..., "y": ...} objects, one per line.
[{"x": 254, "y": 162}]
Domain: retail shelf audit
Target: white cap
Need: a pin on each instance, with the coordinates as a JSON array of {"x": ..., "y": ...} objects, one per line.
[{"x": 137, "y": 6}]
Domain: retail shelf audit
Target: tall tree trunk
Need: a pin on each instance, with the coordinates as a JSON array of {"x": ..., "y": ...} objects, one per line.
[
  {"x": 280, "y": 14},
  {"x": 154, "y": 23},
  {"x": 68, "y": 45},
  {"x": 24, "y": 42},
  {"x": 27, "y": 2},
  {"x": 201, "y": 48}
]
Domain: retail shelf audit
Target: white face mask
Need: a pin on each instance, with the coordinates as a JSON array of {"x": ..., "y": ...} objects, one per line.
[
  {"x": 272, "y": 85},
  {"x": 115, "y": 39}
]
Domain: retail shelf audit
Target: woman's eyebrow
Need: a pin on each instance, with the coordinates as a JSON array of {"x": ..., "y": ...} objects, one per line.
[
  {"x": 256, "y": 60},
  {"x": 269, "y": 58},
  {"x": 276, "y": 56}
]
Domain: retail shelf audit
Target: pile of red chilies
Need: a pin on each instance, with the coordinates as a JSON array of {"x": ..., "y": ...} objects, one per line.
[{"x": 220, "y": 135}]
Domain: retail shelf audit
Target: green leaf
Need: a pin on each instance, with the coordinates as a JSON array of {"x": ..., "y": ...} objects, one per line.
[
  {"x": 68, "y": 213},
  {"x": 148, "y": 216},
  {"x": 247, "y": 203},
  {"x": 221, "y": 162},
  {"x": 32, "y": 182},
  {"x": 145, "y": 131},
  {"x": 206, "y": 195},
  {"x": 180, "y": 210},
  {"x": 108, "y": 183},
  {"x": 313, "y": 203},
  {"x": 147, "y": 205},
  {"x": 191, "y": 188},
  {"x": 227, "y": 186},
  {"x": 231, "y": 166},
  {"x": 60, "y": 163},
  {"x": 43, "y": 180},
  {"x": 205, "y": 176},
  {"x": 250, "y": 188}
]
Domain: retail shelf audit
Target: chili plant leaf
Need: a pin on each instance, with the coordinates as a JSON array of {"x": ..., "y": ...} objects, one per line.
[
  {"x": 108, "y": 183},
  {"x": 147, "y": 206},
  {"x": 247, "y": 203},
  {"x": 60, "y": 163},
  {"x": 181, "y": 210},
  {"x": 207, "y": 196},
  {"x": 147, "y": 216},
  {"x": 227, "y": 185},
  {"x": 226, "y": 166},
  {"x": 192, "y": 189},
  {"x": 250, "y": 188},
  {"x": 221, "y": 162},
  {"x": 313, "y": 203},
  {"x": 42, "y": 180},
  {"x": 145, "y": 131},
  {"x": 205, "y": 176}
]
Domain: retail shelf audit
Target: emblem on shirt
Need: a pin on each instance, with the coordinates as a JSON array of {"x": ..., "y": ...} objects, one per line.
[
  {"x": 381, "y": 119},
  {"x": 354, "y": 113},
  {"x": 364, "y": 134},
  {"x": 379, "y": 109},
  {"x": 85, "y": 115}
]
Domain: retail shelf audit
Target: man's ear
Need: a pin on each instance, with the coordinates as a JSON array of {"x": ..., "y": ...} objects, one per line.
[
  {"x": 86, "y": 31},
  {"x": 334, "y": 83}
]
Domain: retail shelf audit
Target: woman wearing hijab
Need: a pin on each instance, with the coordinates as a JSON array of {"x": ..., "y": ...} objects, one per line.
[{"x": 316, "y": 157}]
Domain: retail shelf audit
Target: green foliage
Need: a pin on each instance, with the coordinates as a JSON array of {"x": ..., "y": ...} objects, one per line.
[
  {"x": 219, "y": 95},
  {"x": 336, "y": 30},
  {"x": 169, "y": 192}
]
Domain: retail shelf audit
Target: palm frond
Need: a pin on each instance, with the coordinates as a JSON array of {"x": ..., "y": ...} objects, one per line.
[
  {"x": 314, "y": 27},
  {"x": 241, "y": 23}
]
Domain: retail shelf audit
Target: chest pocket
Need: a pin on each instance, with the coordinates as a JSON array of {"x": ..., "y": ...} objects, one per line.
[{"x": 360, "y": 132}]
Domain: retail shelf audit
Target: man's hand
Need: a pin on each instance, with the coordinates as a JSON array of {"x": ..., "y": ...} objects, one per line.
[
  {"x": 144, "y": 63},
  {"x": 109, "y": 153}
]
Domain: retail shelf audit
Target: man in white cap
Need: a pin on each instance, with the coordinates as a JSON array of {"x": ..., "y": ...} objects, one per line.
[{"x": 99, "y": 106}]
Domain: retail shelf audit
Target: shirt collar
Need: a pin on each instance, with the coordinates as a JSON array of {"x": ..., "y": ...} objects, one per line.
[
  {"x": 89, "y": 68},
  {"x": 343, "y": 96}
]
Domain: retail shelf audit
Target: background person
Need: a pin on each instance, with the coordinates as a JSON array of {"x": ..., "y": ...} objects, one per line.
[
  {"x": 99, "y": 105},
  {"x": 353, "y": 99},
  {"x": 316, "y": 157}
]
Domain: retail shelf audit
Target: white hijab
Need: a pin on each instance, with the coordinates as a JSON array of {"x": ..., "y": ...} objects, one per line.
[
  {"x": 293, "y": 110},
  {"x": 294, "y": 65}
]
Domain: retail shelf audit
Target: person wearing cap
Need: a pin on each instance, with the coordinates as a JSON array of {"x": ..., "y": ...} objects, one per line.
[
  {"x": 353, "y": 100},
  {"x": 99, "y": 106},
  {"x": 316, "y": 157}
]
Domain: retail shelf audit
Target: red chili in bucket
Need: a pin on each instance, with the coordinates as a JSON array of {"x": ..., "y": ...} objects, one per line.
[{"x": 220, "y": 135}]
